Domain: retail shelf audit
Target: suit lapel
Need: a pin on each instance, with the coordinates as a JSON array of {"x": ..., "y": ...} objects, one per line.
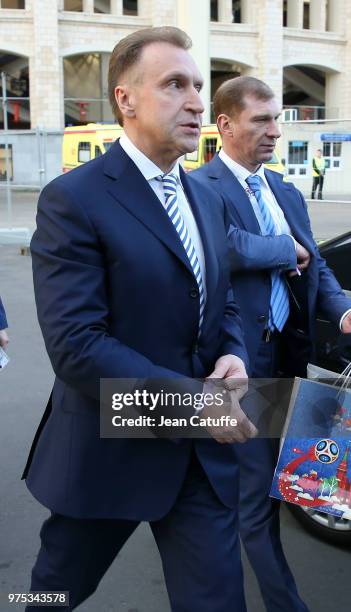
[
  {"x": 134, "y": 193},
  {"x": 239, "y": 203},
  {"x": 202, "y": 214}
]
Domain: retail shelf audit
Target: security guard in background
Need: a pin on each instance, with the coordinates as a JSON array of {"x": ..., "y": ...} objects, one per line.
[{"x": 318, "y": 165}]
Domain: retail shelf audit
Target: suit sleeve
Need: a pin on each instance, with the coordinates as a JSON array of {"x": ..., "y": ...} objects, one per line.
[
  {"x": 71, "y": 298},
  {"x": 232, "y": 328},
  {"x": 252, "y": 252},
  {"x": 3, "y": 320},
  {"x": 331, "y": 301},
  {"x": 233, "y": 333}
]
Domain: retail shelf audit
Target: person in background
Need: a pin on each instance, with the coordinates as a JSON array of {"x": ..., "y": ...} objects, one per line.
[
  {"x": 318, "y": 173},
  {"x": 4, "y": 339},
  {"x": 279, "y": 280}
]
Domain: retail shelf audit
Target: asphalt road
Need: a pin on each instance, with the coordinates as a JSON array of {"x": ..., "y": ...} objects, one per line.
[{"x": 134, "y": 583}]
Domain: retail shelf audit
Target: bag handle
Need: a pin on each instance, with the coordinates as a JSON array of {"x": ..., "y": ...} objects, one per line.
[{"x": 345, "y": 376}]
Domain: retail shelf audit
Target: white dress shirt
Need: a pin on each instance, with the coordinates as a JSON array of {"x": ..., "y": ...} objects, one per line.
[
  {"x": 150, "y": 171},
  {"x": 281, "y": 224},
  {"x": 241, "y": 173}
]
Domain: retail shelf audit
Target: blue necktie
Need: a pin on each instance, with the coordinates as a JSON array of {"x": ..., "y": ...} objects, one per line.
[
  {"x": 171, "y": 206},
  {"x": 279, "y": 304}
]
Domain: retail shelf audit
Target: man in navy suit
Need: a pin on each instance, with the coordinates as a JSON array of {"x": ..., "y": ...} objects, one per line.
[
  {"x": 4, "y": 339},
  {"x": 120, "y": 294},
  {"x": 279, "y": 281}
]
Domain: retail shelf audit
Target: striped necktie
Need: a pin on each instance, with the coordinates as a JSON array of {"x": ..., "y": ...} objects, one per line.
[
  {"x": 171, "y": 206},
  {"x": 279, "y": 304}
]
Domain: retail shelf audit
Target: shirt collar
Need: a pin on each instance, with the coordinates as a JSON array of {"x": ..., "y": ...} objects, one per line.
[
  {"x": 239, "y": 171},
  {"x": 147, "y": 167}
]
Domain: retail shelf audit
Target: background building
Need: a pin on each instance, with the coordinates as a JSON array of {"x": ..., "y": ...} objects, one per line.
[{"x": 55, "y": 54}]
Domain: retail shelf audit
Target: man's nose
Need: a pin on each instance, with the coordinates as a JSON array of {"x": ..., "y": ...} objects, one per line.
[
  {"x": 274, "y": 130},
  {"x": 195, "y": 102}
]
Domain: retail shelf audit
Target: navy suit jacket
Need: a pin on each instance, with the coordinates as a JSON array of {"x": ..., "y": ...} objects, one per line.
[
  {"x": 3, "y": 320},
  {"x": 115, "y": 299},
  {"x": 254, "y": 256}
]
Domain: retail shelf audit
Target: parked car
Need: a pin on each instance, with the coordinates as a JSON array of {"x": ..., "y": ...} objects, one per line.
[{"x": 333, "y": 353}]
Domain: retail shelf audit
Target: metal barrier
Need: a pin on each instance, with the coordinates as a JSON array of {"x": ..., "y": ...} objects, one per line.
[{"x": 28, "y": 160}]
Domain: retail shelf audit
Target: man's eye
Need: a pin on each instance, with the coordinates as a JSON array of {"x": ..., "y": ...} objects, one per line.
[{"x": 175, "y": 84}]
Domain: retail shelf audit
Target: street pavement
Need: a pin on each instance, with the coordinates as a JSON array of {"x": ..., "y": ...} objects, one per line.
[
  {"x": 134, "y": 583},
  {"x": 329, "y": 218}
]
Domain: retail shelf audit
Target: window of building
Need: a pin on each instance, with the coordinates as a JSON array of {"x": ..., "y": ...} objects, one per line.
[
  {"x": 214, "y": 10},
  {"x": 98, "y": 151},
  {"x": 16, "y": 69},
  {"x": 12, "y": 4},
  {"x": 130, "y": 7},
  {"x": 85, "y": 93},
  {"x": 73, "y": 5},
  {"x": 285, "y": 14},
  {"x": 236, "y": 5},
  {"x": 102, "y": 6},
  {"x": 330, "y": 24},
  {"x": 84, "y": 152},
  {"x": 210, "y": 146},
  {"x": 332, "y": 154},
  {"x": 3, "y": 165},
  {"x": 306, "y": 15},
  {"x": 297, "y": 157}
]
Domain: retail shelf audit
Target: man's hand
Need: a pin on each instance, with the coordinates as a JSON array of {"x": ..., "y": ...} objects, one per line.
[
  {"x": 346, "y": 324},
  {"x": 231, "y": 370},
  {"x": 303, "y": 259},
  {"x": 230, "y": 375},
  {"x": 4, "y": 339}
]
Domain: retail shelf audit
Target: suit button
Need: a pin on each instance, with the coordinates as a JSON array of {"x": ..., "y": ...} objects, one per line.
[
  {"x": 261, "y": 318},
  {"x": 195, "y": 348},
  {"x": 194, "y": 293}
]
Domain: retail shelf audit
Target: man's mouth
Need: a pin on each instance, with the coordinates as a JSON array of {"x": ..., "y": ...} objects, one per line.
[{"x": 192, "y": 126}]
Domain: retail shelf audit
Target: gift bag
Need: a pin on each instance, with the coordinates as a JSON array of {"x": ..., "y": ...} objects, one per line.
[{"x": 314, "y": 465}]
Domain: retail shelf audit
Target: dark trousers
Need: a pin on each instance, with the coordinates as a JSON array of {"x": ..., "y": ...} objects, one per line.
[
  {"x": 259, "y": 513},
  {"x": 317, "y": 183},
  {"x": 198, "y": 543}
]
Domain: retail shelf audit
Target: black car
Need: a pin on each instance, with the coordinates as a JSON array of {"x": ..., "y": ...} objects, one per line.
[{"x": 333, "y": 353}]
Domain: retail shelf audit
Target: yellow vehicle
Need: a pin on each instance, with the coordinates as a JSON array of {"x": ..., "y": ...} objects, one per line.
[
  {"x": 85, "y": 142},
  {"x": 210, "y": 142}
]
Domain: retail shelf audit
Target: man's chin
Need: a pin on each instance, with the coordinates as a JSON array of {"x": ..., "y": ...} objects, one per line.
[
  {"x": 266, "y": 158},
  {"x": 190, "y": 144}
]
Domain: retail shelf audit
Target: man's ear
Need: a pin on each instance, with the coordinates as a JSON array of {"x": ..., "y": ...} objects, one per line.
[
  {"x": 225, "y": 125},
  {"x": 125, "y": 100}
]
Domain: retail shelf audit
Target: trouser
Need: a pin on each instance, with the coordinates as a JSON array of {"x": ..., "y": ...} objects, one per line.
[
  {"x": 317, "y": 183},
  {"x": 197, "y": 540},
  {"x": 259, "y": 513}
]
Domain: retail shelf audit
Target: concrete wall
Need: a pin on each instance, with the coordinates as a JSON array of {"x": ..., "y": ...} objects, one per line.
[{"x": 36, "y": 157}]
